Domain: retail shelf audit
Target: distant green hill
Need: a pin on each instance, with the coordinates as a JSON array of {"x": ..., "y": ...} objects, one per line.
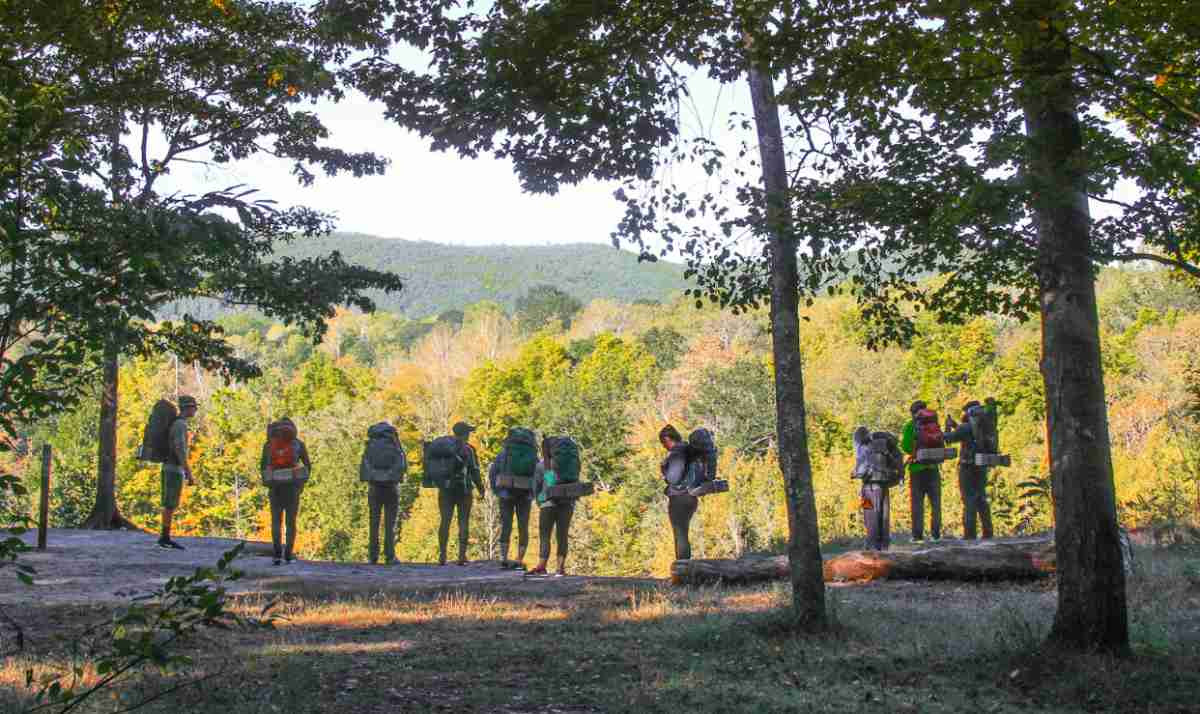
[{"x": 439, "y": 277}]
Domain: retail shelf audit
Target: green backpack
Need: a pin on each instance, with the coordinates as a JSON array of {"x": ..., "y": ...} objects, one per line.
[
  {"x": 566, "y": 460},
  {"x": 521, "y": 446}
]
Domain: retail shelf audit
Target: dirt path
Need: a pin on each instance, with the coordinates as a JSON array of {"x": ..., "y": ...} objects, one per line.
[{"x": 111, "y": 566}]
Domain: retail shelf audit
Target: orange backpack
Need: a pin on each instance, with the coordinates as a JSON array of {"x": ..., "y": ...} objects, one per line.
[{"x": 283, "y": 445}]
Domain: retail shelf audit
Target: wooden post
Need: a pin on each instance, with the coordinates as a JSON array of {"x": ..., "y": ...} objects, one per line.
[{"x": 44, "y": 506}]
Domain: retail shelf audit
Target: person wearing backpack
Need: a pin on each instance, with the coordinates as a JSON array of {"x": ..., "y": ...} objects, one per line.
[
  {"x": 518, "y": 466},
  {"x": 382, "y": 468},
  {"x": 455, "y": 493},
  {"x": 681, "y": 505},
  {"x": 283, "y": 450},
  {"x": 560, "y": 465},
  {"x": 924, "y": 480},
  {"x": 972, "y": 478},
  {"x": 879, "y": 464},
  {"x": 175, "y": 469}
]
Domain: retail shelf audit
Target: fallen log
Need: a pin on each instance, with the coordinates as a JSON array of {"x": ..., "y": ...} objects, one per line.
[{"x": 1025, "y": 559}]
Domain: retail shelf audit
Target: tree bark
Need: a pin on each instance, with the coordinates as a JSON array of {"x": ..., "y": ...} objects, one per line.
[
  {"x": 1025, "y": 559},
  {"x": 105, "y": 514},
  {"x": 804, "y": 544},
  {"x": 1092, "y": 612}
]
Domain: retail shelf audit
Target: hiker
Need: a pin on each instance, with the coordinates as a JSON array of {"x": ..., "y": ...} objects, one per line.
[
  {"x": 518, "y": 466},
  {"x": 383, "y": 466},
  {"x": 972, "y": 477},
  {"x": 175, "y": 468},
  {"x": 284, "y": 452},
  {"x": 681, "y": 505},
  {"x": 455, "y": 493},
  {"x": 924, "y": 479},
  {"x": 880, "y": 465},
  {"x": 560, "y": 464}
]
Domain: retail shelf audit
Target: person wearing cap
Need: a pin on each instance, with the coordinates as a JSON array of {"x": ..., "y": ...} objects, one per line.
[
  {"x": 175, "y": 469},
  {"x": 972, "y": 479},
  {"x": 456, "y": 494},
  {"x": 924, "y": 481}
]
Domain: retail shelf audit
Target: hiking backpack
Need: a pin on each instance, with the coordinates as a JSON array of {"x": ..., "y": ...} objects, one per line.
[
  {"x": 983, "y": 429},
  {"x": 156, "y": 439},
  {"x": 442, "y": 461},
  {"x": 701, "y": 459},
  {"x": 384, "y": 460},
  {"x": 929, "y": 437},
  {"x": 885, "y": 464},
  {"x": 566, "y": 460},
  {"x": 282, "y": 450},
  {"x": 521, "y": 447}
]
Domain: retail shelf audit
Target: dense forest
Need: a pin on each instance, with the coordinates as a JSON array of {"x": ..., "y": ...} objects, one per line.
[
  {"x": 611, "y": 374},
  {"x": 439, "y": 277}
]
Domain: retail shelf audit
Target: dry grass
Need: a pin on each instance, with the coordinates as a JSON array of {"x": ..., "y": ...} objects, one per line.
[{"x": 896, "y": 647}]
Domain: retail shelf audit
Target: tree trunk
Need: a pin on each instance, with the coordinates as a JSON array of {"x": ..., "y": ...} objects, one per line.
[
  {"x": 804, "y": 544},
  {"x": 105, "y": 515},
  {"x": 1092, "y": 612},
  {"x": 1024, "y": 559}
]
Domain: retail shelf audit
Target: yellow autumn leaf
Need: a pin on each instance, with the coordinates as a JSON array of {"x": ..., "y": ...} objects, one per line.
[
  {"x": 292, "y": 89},
  {"x": 274, "y": 78},
  {"x": 220, "y": 5},
  {"x": 1160, "y": 80}
]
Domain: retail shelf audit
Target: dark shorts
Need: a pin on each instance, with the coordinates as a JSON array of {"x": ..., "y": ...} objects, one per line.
[{"x": 172, "y": 487}]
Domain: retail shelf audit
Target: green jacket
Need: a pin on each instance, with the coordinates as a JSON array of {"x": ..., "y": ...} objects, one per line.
[{"x": 908, "y": 444}]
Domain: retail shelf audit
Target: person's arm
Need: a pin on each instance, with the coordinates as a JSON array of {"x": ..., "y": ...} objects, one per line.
[
  {"x": 676, "y": 464},
  {"x": 473, "y": 469},
  {"x": 304, "y": 456},
  {"x": 179, "y": 443},
  {"x": 908, "y": 438},
  {"x": 495, "y": 469},
  {"x": 962, "y": 433}
]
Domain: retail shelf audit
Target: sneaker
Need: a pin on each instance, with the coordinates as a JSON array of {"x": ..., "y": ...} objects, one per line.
[
  {"x": 560, "y": 573},
  {"x": 276, "y": 561},
  {"x": 506, "y": 565},
  {"x": 936, "y": 539},
  {"x": 918, "y": 539},
  {"x": 518, "y": 565},
  {"x": 168, "y": 544},
  {"x": 537, "y": 571},
  {"x": 460, "y": 561}
]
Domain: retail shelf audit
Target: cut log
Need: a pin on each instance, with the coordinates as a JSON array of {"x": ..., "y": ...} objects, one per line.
[{"x": 1026, "y": 559}]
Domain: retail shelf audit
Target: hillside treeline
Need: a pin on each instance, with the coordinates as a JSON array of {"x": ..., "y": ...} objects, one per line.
[{"x": 611, "y": 376}]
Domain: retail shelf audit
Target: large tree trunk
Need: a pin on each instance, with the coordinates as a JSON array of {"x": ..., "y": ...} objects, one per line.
[
  {"x": 804, "y": 544},
  {"x": 1092, "y": 611},
  {"x": 1025, "y": 559},
  {"x": 105, "y": 515}
]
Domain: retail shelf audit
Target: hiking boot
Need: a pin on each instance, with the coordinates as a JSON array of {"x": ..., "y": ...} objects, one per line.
[
  {"x": 168, "y": 544},
  {"x": 276, "y": 561}
]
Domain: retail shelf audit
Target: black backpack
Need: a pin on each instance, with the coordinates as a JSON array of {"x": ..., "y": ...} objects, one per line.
[
  {"x": 384, "y": 459},
  {"x": 886, "y": 461},
  {"x": 983, "y": 429},
  {"x": 156, "y": 439},
  {"x": 701, "y": 459},
  {"x": 442, "y": 460}
]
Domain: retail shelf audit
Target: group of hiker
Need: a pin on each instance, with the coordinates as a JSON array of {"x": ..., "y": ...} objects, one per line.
[
  {"x": 881, "y": 461},
  {"x": 526, "y": 472}
]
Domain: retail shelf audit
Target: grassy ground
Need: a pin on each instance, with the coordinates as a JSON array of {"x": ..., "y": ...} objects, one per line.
[{"x": 564, "y": 646}]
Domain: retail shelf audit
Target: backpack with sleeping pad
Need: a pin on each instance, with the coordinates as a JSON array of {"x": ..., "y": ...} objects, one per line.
[
  {"x": 283, "y": 454},
  {"x": 987, "y": 437},
  {"x": 384, "y": 460},
  {"x": 443, "y": 461},
  {"x": 931, "y": 441},
  {"x": 156, "y": 439},
  {"x": 700, "y": 474},
  {"x": 521, "y": 447},
  {"x": 885, "y": 465}
]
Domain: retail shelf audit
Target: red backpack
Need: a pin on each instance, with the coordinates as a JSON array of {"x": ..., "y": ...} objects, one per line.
[
  {"x": 929, "y": 433},
  {"x": 282, "y": 445}
]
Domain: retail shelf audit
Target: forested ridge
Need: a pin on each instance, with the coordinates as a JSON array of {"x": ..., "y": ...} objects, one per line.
[
  {"x": 440, "y": 276},
  {"x": 611, "y": 379}
]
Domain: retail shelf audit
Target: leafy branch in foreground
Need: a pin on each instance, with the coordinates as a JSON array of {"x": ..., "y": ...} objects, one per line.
[{"x": 145, "y": 634}]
